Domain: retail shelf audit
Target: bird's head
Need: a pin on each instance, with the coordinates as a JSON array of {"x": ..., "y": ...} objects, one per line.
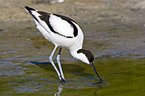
[{"x": 85, "y": 56}]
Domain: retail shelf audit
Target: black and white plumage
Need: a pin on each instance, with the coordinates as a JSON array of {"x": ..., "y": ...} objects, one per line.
[{"x": 63, "y": 32}]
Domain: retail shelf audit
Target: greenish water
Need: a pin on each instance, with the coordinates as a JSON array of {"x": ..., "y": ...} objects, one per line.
[{"x": 124, "y": 77}]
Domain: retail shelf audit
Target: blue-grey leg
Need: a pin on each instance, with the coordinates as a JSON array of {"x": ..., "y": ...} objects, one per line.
[
  {"x": 59, "y": 64},
  {"x": 51, "y": 61}
]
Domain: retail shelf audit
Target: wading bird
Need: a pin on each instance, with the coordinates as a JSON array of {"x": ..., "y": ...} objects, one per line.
[{"x": 63, "y": 32}]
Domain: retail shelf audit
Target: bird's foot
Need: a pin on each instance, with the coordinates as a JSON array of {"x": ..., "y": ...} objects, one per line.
[
  {"x": 62, "y": 80},
  {"x": 101, "y": 82}
]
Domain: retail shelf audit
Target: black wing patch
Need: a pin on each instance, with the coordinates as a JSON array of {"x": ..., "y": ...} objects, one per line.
[{"x": 45, "y": 17}]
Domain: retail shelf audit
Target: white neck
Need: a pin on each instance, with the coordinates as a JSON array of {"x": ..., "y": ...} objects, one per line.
[{"x": 79, "y": 56}]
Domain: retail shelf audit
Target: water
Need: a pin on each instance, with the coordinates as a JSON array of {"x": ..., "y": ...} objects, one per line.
[{"x": 114, "y": 32}]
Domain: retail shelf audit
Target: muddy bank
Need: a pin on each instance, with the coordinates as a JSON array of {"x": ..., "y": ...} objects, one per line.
[{"x": 115, "y": 25}]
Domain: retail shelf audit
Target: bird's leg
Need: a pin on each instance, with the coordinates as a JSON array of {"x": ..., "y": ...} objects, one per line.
[
  {"x": 101, "y": 80},
  {"x": 59, "y": 64},
  {"x": 51, "y": 61}
]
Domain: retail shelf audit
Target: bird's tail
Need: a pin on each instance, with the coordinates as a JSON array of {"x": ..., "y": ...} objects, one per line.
[
  {"x": 41, "y": 26},
  {"x": 29, "y": 9},
  {"x": 33, "y": 12}
]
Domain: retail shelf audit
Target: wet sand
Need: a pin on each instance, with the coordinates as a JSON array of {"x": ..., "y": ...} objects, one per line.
[{"x": 116, "y": 26}]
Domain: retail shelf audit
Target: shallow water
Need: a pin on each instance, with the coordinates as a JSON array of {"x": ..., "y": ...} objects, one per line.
[{"x": 114, "y": 33}]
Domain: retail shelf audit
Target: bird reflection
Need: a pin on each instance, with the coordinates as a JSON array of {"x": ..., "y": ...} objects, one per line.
[{"x": 60, "y": 88}]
